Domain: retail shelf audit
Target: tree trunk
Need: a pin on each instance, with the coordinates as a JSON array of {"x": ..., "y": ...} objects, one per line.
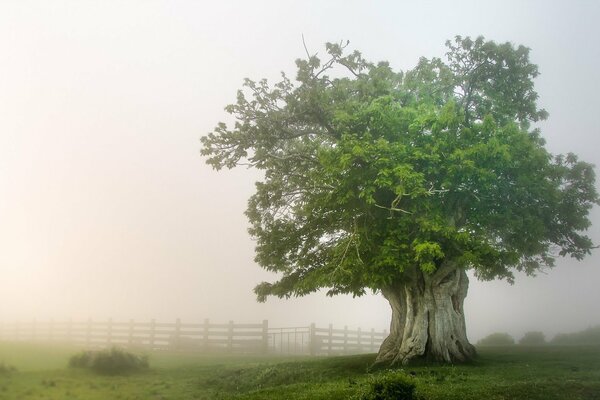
[{"x": 427, "y": 319}]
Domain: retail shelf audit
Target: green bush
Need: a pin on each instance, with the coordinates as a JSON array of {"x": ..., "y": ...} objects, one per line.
[
  {"x": 6, "y": 369},
  {"x": 81, "y": 360},
  {"x": 393, "y": 385},
  {"x": 497, "y": 339},
  {"x": 589, "y": 336},
  {"x": 109, "y": 362},
  {"x": 533, "y": 339}
]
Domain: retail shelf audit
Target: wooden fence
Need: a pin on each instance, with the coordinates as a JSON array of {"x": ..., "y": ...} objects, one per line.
[
  {"x": 343, "y": 341},
  {"x": 324, "y": 341},
  {"x": 201, "y": 337}
]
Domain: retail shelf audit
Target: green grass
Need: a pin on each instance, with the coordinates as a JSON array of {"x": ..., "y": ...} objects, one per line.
[{"x": 499, "y": 374}]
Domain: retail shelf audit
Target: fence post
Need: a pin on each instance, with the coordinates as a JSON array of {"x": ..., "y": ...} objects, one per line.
[
  {"x": 152, "y": 333},
  {"x": 88, "y": 332},
  {"x": 230, "y": 337},
  {"x": 295, "y": 340},
  {"x": 51, "y": 330},
  {"x": 372, "y": 340},
  {"x": 330, "y": 339},
  {"x": 345, "y": 339},
  {"x": 70, "y": 331},
  {"x": 130, "y": 336},
  {"x": 205, "y": 336},
  {"x": 265, "y": 336},
  {"x": 312, "y": 340},
  {"x": 176, "y": 342},
  {"x": 109, "y": 332},
  {"x": 358, "y": 333}
]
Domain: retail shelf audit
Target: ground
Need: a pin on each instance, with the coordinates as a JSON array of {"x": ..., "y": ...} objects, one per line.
[{"x": 499, "y": 373}]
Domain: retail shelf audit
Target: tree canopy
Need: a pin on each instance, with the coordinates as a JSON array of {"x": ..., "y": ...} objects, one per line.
[{"x": 372, "y": 174}]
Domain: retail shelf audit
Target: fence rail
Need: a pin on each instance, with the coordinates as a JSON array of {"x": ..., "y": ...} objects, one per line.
[{"x": 201, "y": 337}]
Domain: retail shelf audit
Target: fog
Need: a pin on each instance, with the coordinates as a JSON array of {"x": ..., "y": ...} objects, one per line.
[{"x": 108, "y": 210}]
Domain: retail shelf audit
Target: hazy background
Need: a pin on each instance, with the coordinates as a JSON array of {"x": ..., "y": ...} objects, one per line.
[{"x": 108, "y": 210}]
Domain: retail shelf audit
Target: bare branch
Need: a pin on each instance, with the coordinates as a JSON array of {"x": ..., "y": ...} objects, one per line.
[
  {"x": 393, "y": 209},
  {"x": 305, "y": 49}
]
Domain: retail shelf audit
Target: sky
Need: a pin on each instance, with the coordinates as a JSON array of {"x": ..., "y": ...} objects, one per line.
[{"x": 108, "y": 210}]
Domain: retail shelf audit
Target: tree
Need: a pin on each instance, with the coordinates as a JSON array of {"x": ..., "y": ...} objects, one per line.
[
  {"x": 398, "y": 183},
  {"x": 589, "y": 336},
  {"x": 533, "y": 338},
  {"x": 497, "y": 339}
]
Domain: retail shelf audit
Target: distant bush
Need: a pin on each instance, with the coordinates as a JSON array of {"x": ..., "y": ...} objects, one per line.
[
  {"x": 589, "y": 336},
  {"x": 533, "y": 338},
  {"x": 81, "y": 360},
  {"x": 497, "y": 339},
  {"x": 109, "y": 362},
  {"x": 6, "y": 369},
  {"x": 388, "y": 386}
]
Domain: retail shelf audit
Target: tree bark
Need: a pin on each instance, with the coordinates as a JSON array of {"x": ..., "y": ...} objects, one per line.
[{"x": 427, "y": 319}]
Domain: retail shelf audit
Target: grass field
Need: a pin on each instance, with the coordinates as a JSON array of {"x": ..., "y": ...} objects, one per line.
[{"x": 500, "y": 373}]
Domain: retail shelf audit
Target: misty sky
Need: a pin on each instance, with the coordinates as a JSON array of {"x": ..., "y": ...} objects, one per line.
[{"x": 108, "y": 210}]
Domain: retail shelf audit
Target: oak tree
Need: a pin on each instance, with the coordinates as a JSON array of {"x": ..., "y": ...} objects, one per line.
[{"x": 400, "y": 182}]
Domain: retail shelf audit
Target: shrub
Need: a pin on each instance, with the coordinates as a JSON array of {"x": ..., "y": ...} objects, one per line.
[
  {"x": 533, "y": 338},
  {"x": 81, "y": 360},
  {"x": 109, "y": 362},
  {"x": 497, "y": 339},
  {"x": 6, "y": 369},
  {"x": 589, "y": 336},
  {"x": 388, "y": 386}
]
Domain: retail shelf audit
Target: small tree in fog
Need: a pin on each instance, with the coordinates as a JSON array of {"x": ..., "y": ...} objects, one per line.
[
  {"x": 497, "y": 339},
  {"x": 400, "y": 182},
  {"x": 589, "y": 336},
  {"x": 533, "y": 339}
]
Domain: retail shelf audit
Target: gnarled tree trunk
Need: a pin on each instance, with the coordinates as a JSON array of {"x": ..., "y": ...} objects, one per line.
[{"x": 427, "y": 319}]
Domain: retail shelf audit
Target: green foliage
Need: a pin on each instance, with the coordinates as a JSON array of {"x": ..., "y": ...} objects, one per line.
[
  {"x": 534, "y": 338},
  {"x": 81, "y": 360},
  {"x": 112, "y": 361},
  {"x": 497, "y": 339},
  {"x": 589, "y": 336},
  {"x": 372, "y": 176},
  {"x": 392, "y": 385}
]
